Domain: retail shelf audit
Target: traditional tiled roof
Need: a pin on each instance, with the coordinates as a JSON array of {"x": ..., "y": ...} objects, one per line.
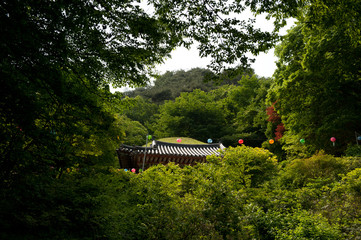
[
  {"x": 164, "y": 148},
  {"x": 163, "y": 153}
]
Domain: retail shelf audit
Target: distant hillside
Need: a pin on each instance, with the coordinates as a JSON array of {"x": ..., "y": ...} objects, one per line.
[{"x": 169, "y": 85}]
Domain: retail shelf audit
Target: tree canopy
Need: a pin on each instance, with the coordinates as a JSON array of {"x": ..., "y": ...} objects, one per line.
[
  {"x": 317, "y": 82},
  {"x": 224, "y": 114},
  {"x": 60, "y": 124}
]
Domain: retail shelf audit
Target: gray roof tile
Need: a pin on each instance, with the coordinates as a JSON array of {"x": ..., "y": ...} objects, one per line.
[{"x": 177, "y": 149}]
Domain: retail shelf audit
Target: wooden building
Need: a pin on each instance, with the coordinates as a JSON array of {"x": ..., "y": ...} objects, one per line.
[{"x": 163, "y": 153}]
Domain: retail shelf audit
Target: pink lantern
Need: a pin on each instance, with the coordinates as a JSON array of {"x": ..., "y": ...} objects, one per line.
[
  {"x": 133, "y": 170},
  {"x": 179, "y": 140},
  {"x": 333, "y": 140},
  {"x": 240, "y": 141}
]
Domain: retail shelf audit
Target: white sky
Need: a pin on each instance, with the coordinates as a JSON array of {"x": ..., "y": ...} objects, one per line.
[
  {"x": 183, "y": 59},
  {"x": 264, "y": 66}
]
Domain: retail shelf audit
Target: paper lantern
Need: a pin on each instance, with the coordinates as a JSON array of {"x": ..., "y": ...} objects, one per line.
[
  {"x": 240, "y": 141},
  {"x": 150, "y": 137},
  {"x": 209, "y": 140},
  {"x": 133, "y": 170},
  {"x": 333, "y": 140},
  {"x": 302, "y": 141},
  {"x": 125, "y": 170},
  {"x": 271, "y": 141},
  {"x": 179, "y": 140}
]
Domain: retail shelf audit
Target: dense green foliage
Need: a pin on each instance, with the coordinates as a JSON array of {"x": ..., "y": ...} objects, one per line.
[
  {"x": 242, "y": 194},
  {"x": 224, "y": 114},
  {"x": 317, "y": 83},
  {"x": 171, "y": 84},
  {"x": 60, "y": 124}
]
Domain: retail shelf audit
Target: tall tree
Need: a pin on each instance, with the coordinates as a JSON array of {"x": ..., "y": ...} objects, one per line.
[
  {"x": 52, "y": 50},
  {"x": 55, "y": 56},
  {"x": 247, "y": 102},
  {"x": 216, "y": 26},
  {"x": 225, "y": 114},
  {"x": 56, "y": 60},
  {"x": 318, "y": 78},
  {"x": 197, "y": 115}
]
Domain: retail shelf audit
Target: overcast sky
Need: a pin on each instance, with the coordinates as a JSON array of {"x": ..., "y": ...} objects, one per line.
[
  {"x": 264, "y": 66},
  {"x": 183, "y": 59}
]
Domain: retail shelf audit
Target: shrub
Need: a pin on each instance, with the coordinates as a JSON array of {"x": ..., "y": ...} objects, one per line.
[
  {"x": 257, "y": 165},
  {"x": 353, "y": 150},
  {"x": 299, "y": 172}
]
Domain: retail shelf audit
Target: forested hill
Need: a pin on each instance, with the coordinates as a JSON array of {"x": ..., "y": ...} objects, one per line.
[{"x": 169, "y": 85}]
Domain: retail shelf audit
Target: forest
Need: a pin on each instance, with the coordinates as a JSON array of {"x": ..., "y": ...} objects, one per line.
[{"x": 297, "y": 174}]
